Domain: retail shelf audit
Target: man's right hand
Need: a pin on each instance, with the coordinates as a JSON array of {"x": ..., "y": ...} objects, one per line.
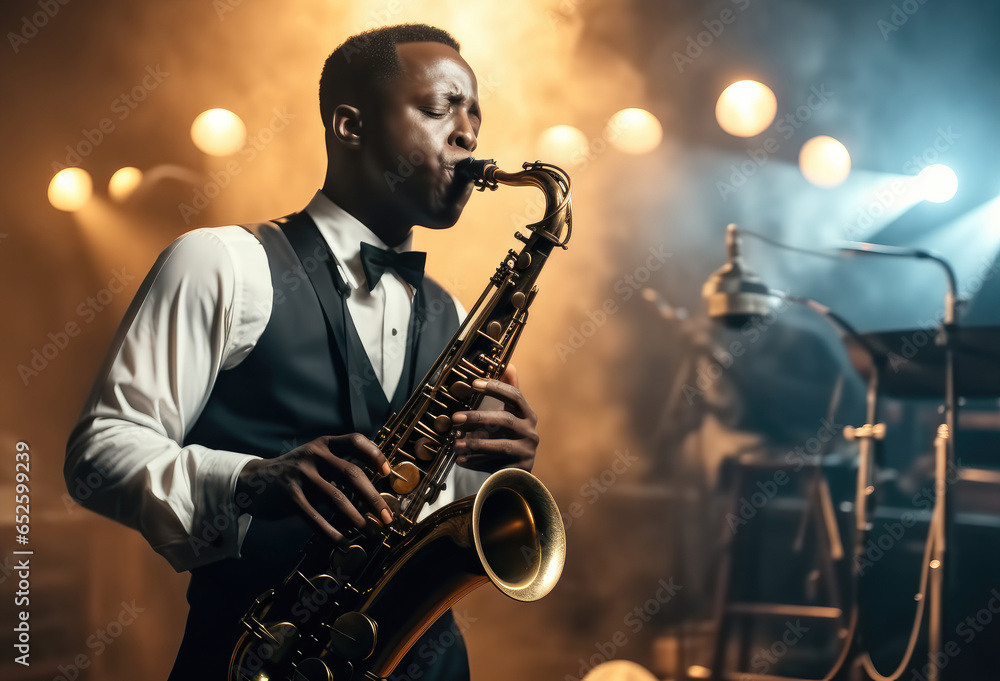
[{"x": 282, "y": 486}]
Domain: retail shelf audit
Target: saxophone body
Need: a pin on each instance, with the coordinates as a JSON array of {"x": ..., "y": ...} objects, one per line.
[{"x": 352, "y": 611}]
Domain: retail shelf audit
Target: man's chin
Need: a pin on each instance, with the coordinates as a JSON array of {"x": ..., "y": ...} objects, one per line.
[
  {"x": 441, "y": 221},
  {"x": 447, "y": 215}
]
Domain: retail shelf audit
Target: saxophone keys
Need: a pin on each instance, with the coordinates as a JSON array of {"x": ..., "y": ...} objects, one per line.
[
  {"x": 313, "y": 669},
  {"x": 347, "y": 562},
  {"x": 461, "y": 391},
  {"x": 424, "y": 449},
  {"x": 442, "y": 425},
  {"x": 523, "y": 260},
  {"x": 353, "y": 635},
  {"x": 494, "y": 329},
  {"x": 406, "y": 476},
  {"x": 392, "y": 501}
]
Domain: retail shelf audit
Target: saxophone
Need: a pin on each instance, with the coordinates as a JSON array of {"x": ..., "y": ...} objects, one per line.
[{"x": 353, "y": 610}]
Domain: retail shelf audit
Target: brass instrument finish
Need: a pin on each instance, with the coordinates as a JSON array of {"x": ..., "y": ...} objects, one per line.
[{"x": 352, "y": 612}]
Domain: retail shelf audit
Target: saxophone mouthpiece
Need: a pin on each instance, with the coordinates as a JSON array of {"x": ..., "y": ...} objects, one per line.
[{"x": 478, "y": 171}]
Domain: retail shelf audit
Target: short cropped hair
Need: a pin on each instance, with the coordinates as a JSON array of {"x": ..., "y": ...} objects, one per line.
[{"x": 369, "y": 59}]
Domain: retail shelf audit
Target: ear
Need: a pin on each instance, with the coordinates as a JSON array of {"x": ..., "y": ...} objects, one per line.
[{"x": 347, "y": 125}]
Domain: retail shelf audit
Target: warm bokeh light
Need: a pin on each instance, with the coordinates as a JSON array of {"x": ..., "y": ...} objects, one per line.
[
  {"x": 634, "y": 131},
  {"x": 124, "y": 182},
  {"x": 562, "y": 144},
  {"x": 937, "y": 183},
  {"x": 619, "y": 670},
  {"x": 746, "y": 108},
  {"x": 824, "y": 161},
  {"x": 70, "y": 189},
  {"x": 218, "y": 132}
]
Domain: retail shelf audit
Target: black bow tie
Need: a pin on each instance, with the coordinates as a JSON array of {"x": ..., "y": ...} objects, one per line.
[{"x": 408, "y": 264}]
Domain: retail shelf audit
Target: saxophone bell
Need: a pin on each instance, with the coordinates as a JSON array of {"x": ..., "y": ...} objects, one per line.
[{"x": 355, "y": 613}]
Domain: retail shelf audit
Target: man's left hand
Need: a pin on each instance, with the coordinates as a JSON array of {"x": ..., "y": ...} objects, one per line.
[{"x": 498, "y": 438}]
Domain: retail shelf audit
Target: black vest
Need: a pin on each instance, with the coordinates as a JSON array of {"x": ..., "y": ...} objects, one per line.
[{"x": 307, "y": 376}]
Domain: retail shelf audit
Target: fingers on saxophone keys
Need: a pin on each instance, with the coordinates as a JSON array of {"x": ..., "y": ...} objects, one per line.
[
  {"x": 372, "y": 453},
  {"x": 491, "y": 422},
  {"x": 476, "y": 462},
  {"x": 481, "y": 442},
  {"x": 339, "y": 499},
  {"x": 511, "y": 396},
  {"x": 315, "y": 516},
  {"x": 356, "y": 478}
]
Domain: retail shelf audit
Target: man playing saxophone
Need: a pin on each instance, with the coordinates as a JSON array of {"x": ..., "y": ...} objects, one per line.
[{"x": 233, "y": 415}]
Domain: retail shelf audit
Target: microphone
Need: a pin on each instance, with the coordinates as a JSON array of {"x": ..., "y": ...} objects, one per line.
[{"x": 733, "y": 293}]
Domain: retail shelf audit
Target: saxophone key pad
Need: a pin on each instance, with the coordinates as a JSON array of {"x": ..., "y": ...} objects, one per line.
[
  {"x": 461, "y": 391},
  {"x": 408, "y": 477},
  {"x": 424, "y": 449},
  {"x": 347, "y": 561},
  {"x": 442, "y": 424}
]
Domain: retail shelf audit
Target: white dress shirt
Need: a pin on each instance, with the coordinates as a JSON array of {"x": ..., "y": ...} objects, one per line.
[{"x": 201, "y": 311}]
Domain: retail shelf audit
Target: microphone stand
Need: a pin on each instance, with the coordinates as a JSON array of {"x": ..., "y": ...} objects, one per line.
[
  {"x": 868, "y": 436},
  {"x": 941, "y": 571},
  {"x": 734, "y": 290}
]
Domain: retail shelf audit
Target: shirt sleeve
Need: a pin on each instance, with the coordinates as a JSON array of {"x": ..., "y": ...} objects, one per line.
[{"x": 194, "y": 315}]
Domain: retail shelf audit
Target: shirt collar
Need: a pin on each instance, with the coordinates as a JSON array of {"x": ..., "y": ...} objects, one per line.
[{"x": 344, "y": 234}]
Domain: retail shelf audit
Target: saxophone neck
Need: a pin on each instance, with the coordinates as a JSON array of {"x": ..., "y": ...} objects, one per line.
[{"x": 557, "y": 224}]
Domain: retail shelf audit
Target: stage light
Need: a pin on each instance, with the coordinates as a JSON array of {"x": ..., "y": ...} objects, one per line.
[
  {"x": 619, "y": 670},
  {"x": 824, "y": 161},
  {"x": 70, "y": 189},
  {"x": 218, "y": 132},
  {"x": 746, "y": 108},
  {"x": 634, "y": 131},
  {"x": 937, "y": 183},
  {"x": 124, "y": 182},
  {"x": 563, "y": 144}
]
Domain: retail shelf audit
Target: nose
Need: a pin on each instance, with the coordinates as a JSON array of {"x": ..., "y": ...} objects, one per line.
[{"x": 464, "y": 135}]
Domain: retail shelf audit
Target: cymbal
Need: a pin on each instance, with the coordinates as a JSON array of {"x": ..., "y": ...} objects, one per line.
[{"x": 913, "y": 362}]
